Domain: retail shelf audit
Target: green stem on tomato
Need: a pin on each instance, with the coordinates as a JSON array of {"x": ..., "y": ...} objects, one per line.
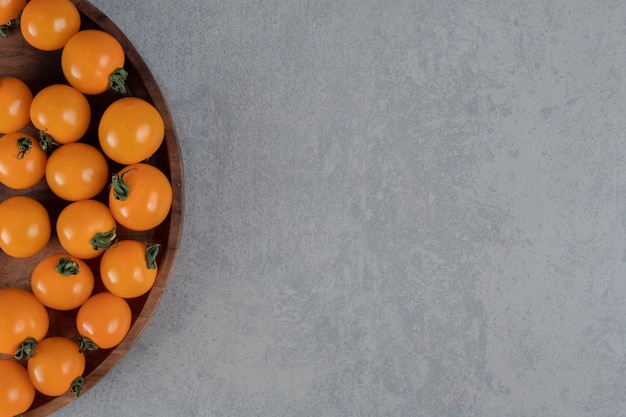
[
  {"x": 120, "y": 188},
  {"x": 46, "y": 141},
  {"x": 27, "y": 349},
  {"x": 117, "y": 81},
  {"x": 67, "y": 267},
  {"x": 24, "y": 144},
  {"x": 85, "y": 344},
  {"x": 77, "y": 386},
  {"x": 103, "y": 240},
  {"x": 4, "y": 29},
  {"x": 151, "y": 254}
]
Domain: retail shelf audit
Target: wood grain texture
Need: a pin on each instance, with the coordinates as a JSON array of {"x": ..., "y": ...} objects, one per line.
[{"x": 39, "y": 69}]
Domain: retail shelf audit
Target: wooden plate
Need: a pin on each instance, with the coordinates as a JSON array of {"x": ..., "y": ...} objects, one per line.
[{"x": 39, "y": 69}]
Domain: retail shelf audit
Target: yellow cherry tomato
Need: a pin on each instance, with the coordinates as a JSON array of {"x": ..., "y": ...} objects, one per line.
[
  {"x": 22, "y": 161},
  {"x": 76, "y": 171},
  {"x": 130, "y": 130},
  {"x": 140, "y": 197},
  {"x": 24, "y": 226},
  {"x": 104, "y": 320},
  {"x": 129, "y": 268},
  {"x": 62, "y": 112},
  {"x": 16, "y": 391},
  {"x": 85, "y": 228},
  {"x": 57, "y": 366},
  {"x": 22, "y": 317},
  {"x": 15, "y": 99},
  {"x": 62, "y": 282},
  {"x": 48, "y": 24},
  {"x": 89, "y": 61},
  {"x": 9, "y": 9}
]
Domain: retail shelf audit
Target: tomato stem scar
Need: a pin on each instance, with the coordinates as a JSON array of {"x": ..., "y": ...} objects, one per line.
[
  {"x": 24, "y": 144},
  {"x": 103, "y": 240},
  {"x": 151, "y": 253},
  {"x": 117, "y": 81},
  {"x": 85, "y": 344},
  {"x": 120, "y": 188},
  {"x": 46, "y": 141},
  {"x": 4, "y": 29},
  {"x": 67, "y": 267},
  {"x": 26, "y": 349},
  {"x": 77, "y": 386}
]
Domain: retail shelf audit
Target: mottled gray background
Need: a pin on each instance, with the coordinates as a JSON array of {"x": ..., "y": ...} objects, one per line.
[{"x": 394, "y": 208}]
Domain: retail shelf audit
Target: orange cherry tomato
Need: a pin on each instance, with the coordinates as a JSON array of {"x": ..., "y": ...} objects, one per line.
[
  {"x": 130, "y": 130},
  {"x": 104, "y": 319},
  {"x": 129, "y": 268},
  {"x": 16, "y": 391},
  {"x": 22, "y": 317},
  {"x": 57, "y": 366},
  {"x": 49, "y": 24},
  {"x": 140, "y": 197},
  {"x": 62, "y": 112},
  {"x": 93, "y": 61},
  {"x": 22, "y": 161},
  {"x": 15, "y": 99},
  {"x": 24, "y": 226},
  {"x": 85, "y": 228},
  {"x": 9, "y": 9},
  {"x": 62, "y": 282},
  {"x": 76, "y": 171}
]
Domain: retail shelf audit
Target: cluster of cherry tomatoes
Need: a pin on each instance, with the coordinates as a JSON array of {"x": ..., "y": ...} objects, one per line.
[{"x": 138, "y": 198}]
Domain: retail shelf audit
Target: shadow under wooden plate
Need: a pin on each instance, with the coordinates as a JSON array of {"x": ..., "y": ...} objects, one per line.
[{"x": 40, "y": 69}]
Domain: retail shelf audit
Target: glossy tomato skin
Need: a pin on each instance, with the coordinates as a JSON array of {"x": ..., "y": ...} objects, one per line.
[
  {"x": 9, "y": 9},
  {"x": 56, "y": 364},
  {"x": 15, "y": 100},
  {"x": 125, "y": 270},
  {"x": 88, "y": 60},
  {"x": 79, "y": 222},
  {"x": 24, "y": 226},
  {"x": 48, "y": 24},
  {"x": 148, "y": 200},
  {"x": 20, "y": 168},
  {"x": 62, "y": 282},
  {"x": 130, "y": 130},
  {"x": 76, "y": 171},
  {"x": 62, "y": 112},
  {"x": 22, "y": 317},
  {"x": 16, "y": 391},
  {"x": 104, "y": 319}
]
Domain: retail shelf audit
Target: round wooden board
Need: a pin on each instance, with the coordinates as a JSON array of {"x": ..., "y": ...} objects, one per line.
[{"x": 39, "y": 69}]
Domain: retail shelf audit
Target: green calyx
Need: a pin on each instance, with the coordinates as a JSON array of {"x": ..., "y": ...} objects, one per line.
[
  {"x": 151, "y": 254},
  {"x": 103, "y": 240},
  {"x": 120, "y": 188},
  {"x": 4, "y": 29},
  {"x": 77, "y": 386},
  {"x": 24, "y": 144},
  {"x": 85, "y": 344},
  {"x": 26, "y": 349},
  {"x": 67, "y": 267},
  {"x": 117, "y": 81},
  {"x": 46, "y": 141}
]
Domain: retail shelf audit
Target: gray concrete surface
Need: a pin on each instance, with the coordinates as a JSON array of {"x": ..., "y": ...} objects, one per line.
[{"x": 394, "y": 208}]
